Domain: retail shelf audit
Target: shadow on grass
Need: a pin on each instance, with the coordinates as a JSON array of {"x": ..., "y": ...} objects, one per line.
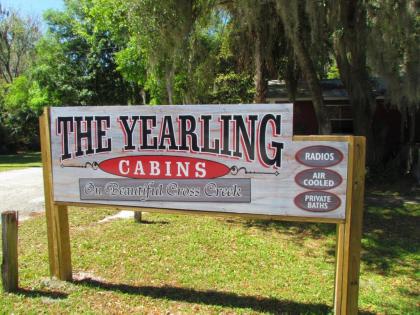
[
  {"x": 314, "y": 230},
  {"x": 297, "y": 232},
  {"x": 55, "y": 295},
  {"x": 224, "y": 299},
  {"x": 390, "y": 239}
]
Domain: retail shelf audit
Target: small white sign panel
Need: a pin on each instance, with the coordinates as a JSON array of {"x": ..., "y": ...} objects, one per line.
[{"x": 225, "y": 158}]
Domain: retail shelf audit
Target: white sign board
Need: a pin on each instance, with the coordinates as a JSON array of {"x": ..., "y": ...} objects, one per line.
[{"x": 224, "y": 158}]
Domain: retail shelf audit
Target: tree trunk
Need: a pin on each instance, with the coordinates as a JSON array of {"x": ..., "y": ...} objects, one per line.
[
  {"x": 260, "y": 70},
  {"x": 349, "y": 16},
  {"x": 169, "y": 86},
  {"x": 413, "y": 158},
  {"x": 291, "y": 76},
  {"x": 362, "y": 103},
  {"x": 291, "y": 16},
  {"x": 308, "y": 69},
  {"x": 143, "y": 96}
]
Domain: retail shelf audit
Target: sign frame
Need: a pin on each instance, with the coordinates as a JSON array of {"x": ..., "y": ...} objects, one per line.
[{"x": 348, "y": 235}]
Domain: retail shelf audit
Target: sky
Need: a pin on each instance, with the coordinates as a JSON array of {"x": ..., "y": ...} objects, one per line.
[{"x": 33, "y": 8}]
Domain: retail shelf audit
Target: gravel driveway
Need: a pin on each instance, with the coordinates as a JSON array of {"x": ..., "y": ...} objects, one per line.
[{"x": 22, "y": 190}]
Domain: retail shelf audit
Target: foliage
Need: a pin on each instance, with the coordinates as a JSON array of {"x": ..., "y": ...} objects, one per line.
[
  {"x": 7, "y": 143},
  {"x": 333, "y": 72},
  {"x": 85, "y": 70},
  {"x": 180, "y": 43},
  {"x": 21, "y": 129},
  {"x": 104, "y": 52},
  {"x": 17, "y": 40},
  {"x": 304, "y": 25},
  {"x": 17, "y": 119},
  {"x": 394, "y": 48},
  {"x": 232, "y": 88}
]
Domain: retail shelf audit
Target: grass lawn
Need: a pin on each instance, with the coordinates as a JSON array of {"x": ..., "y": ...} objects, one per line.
[
  {"x": 175, "y": 264},
  {"x": 21, "y": 160}
]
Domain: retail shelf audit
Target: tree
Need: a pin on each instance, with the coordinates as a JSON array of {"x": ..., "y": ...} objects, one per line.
[
  {"x": 163, "y": 29},
  {"x": 76, "y": 60},
  {"x": 377, "y": 38},
  {"x": 19, "y": 117},
  {"x": 303, "y": 28},
  {"x": 179, "y": 43},
  {"x": 233, "y": 80},
  {"x": 350, "y": 33},
  {"x": 393, "y": 47},
  {"x": 112, "y": 16},
  {"x": 255, "y": 37},
  {"x": 18, "y": 37},
  {"x": 300, "y": 51},
  {"x": 17, "y": 40},
  {"x": 393, "y": 54}
]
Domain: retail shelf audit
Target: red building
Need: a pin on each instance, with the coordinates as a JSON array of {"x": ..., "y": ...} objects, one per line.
[{"x": 340, "y": 111}]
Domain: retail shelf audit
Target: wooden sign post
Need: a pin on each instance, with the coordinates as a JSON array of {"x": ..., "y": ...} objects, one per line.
[
  {"x": 9, "y": 266},
  {"x": 349, "y": 231},
  {"x": 240, "y": 160}
]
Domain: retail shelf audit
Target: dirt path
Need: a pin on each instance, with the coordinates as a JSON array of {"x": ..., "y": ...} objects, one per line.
[{"x": 22, "y": 190}]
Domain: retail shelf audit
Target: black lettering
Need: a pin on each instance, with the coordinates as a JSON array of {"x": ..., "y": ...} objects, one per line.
[
  {"x": 277, "y": 146},
  {"x": 129, "y": 131},
  {"x": 206, "y": 136},
  {"x": 146, "y": 131},
  {"x": 225, "y": 119},
  {"x": 80, "y": 135},
  {"x": 167, "y": 132},
  {"x": 248, "y": 140},
  {"x": 188, "y": 132},
  {"x": 64, "y": 126},
  {"x": 101, "y": 133}
]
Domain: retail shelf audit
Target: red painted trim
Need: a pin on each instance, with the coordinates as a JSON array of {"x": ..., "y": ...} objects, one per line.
[{"x": 213, "y": 169}]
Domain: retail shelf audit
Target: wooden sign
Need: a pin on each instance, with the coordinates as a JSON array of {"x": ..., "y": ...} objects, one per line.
[
  {"x": 237, "y": 160},
  {"x": 232, "y": 158}
]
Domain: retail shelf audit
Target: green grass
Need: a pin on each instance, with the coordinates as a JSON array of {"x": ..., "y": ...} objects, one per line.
[
  {"x": 202, "y": 265},
  {"x": 21, "y": 160}
]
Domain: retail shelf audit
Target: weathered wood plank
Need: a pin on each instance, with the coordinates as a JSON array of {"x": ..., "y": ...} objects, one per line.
[
  {"x": 353, "y": 231},
  {"x": 339, "y": 264},
  {"x": 272, "y": 196},
  {"x": 137, "y": 216},
  {"x": 62, "y": 238},
  {"x": 9, "y": 266},
  {"x": 273, "y": 189},
  {"x": 206, "y": 213},
  {"x": 350, "y": 233},
  {"x": 47, "y": 179},
  {"x": 56, "y": 215}
]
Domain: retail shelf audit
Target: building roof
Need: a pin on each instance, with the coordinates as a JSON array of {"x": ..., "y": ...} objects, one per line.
[{"x": 331, "y": 89}]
